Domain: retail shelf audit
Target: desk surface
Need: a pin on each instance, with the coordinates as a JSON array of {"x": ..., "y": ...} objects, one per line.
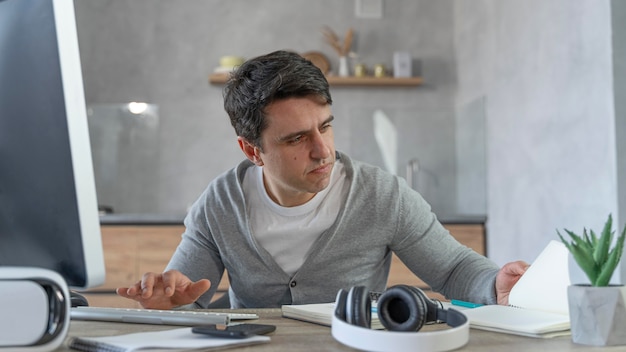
[{"x": 293, "y": 335}]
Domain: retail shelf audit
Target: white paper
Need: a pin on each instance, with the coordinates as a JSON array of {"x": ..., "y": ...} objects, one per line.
[
  {"x": 178, "y": 339},
  {"x": 544, "y": 285}
]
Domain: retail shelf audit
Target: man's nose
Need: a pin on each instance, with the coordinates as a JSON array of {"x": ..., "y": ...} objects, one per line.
[{"x": 320, "y": 147}]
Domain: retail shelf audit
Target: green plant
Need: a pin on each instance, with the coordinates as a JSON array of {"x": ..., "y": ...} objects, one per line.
[{"x": 594, "y": 254}]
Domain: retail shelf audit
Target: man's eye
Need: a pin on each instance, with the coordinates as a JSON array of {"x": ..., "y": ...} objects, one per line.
[
  {"x": 295, "y": 139},
  {"x": 325, "y": 127}
]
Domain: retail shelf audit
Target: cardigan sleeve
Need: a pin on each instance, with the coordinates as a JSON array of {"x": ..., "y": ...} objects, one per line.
[
  {"x": 433, "y": 254},
  {"x": 197, "y": 255}
]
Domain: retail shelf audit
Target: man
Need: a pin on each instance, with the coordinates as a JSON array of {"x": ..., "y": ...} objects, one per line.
[{"x": 297, "y": 221}]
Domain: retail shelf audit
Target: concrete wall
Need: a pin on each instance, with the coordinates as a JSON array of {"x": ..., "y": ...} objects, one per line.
[
  {"x": 545, "y": 69},
  {"x": 535, "y": 85},
  {"x": 618, "y": 13},
  {"x": 162, "y": 51}
]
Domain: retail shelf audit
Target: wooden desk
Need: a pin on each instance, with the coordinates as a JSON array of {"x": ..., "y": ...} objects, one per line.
[{"x": 293, "y": 335}]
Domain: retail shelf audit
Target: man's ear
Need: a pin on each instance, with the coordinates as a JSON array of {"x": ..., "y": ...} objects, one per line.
[{"x": 252, "y": 152}]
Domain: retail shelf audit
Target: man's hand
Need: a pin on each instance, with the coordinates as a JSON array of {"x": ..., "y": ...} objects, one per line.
[
  {"x": 165, "y": 291},
  {"x": 507, "y": 277}
]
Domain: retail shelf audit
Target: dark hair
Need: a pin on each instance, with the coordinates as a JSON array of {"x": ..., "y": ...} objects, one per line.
[{"x": 264, "y": 79}]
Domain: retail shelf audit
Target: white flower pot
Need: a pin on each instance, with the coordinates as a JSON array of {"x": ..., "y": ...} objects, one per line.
[{"x": 597, "y": 314}]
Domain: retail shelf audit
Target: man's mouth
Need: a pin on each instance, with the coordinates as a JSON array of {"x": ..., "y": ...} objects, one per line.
[{"x": 322, "y": 169}]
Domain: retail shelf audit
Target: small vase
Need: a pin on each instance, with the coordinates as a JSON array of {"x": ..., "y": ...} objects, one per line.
[
  {"x": 597, "y": 314},
  {"x": 344, "y": 70}
]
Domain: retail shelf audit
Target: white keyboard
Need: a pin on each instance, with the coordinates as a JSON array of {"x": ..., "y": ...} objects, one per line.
[{"x": 155, "y": 316}]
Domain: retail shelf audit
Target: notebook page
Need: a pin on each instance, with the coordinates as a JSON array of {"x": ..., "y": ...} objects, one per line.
[
  {"x": 544, "y": 285},
  {"x": 517, "y": 321}
]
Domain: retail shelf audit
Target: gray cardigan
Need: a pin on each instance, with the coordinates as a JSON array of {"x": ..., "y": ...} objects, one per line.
[{"x": 382, "y": 215}]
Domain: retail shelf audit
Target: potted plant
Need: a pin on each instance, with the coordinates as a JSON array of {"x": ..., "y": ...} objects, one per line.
[{"x": 597, "y": 310}]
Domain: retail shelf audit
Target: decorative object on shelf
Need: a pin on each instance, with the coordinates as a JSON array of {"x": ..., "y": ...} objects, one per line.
[
  {"x": 380, "y": 70},
  {"x": 229, "y": 63},
  {"x": 318, "y": 59},
  {"x": 344, "y": 69},
  {"x": 360, "y": 70},
  {"x": 597, "y": 310},
  {"x": 342, "y": 48},
  {"x": 402, "y": 64}
]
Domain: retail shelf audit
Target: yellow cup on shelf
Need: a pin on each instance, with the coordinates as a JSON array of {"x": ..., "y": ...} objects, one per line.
[
  {"x": 230, "y": 62},
  {"x": 380, "y": 70},
  {"x": 360, "y": 70}
]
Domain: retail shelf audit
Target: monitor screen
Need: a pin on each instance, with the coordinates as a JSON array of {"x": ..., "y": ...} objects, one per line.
[{"x": 48, "y": 207}]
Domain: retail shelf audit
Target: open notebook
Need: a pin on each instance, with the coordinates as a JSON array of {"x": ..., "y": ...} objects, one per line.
[
  {"x": 538, "y": 302},
  {"x": 319, "y": 313}
]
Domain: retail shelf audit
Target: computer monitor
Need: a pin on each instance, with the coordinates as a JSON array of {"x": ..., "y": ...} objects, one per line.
[{"x": 48, "y": 207}]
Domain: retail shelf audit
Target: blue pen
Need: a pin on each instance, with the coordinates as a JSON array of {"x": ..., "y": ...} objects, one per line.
[{"x": 456, "y": 302}]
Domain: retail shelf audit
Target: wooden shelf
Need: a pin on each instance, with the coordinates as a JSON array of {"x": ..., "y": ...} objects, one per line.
[
  {"x": 374, "y": 81},
  {"x": 220, "y": 78}
]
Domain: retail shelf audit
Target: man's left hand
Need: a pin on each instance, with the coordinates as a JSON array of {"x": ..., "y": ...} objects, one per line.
[{"x": 507, "y": 277}]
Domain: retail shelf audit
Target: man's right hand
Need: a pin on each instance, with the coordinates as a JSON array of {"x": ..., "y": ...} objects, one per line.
[{"x": 165, "y": 290}]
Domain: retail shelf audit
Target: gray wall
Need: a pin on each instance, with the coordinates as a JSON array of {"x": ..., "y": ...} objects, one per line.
[
  {"x": 618, "y": 12},
  {"x": 162, "y": 52},
  {"x": 538, "y": 75},
  {"x": 546, "y": 70}
]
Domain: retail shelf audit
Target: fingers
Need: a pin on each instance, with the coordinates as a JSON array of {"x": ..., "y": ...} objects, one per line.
[
  {"x": 175, "y": 281},
  {"x": 510, "y": 273},
  {"x": 149, "y": 282},
  {"x": 129, "y": 292},
  {"x": 196, "y": 289},
  {"x": 172, "y": 280},
  {"x": 507, "y": 277},
  {"x": 122, "y": 291},
  {"x": 141, "y": 289},
  {"x": 517, "y": 268},
  {"x": 165, "y": 290}
]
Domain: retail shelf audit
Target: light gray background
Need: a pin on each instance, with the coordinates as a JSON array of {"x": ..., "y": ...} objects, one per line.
[{"x": 541, "y": 80}]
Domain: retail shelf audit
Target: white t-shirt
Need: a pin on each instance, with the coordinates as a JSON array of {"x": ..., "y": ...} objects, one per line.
[{"x": 288, "y": 233}]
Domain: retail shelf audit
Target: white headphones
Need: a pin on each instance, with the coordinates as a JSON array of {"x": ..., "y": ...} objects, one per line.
[
  {"x": 402, "y": 310},
  {"x": 35, "y": 306}
]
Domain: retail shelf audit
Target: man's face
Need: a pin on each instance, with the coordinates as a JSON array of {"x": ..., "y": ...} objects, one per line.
[{"x": 298, "y": 149}]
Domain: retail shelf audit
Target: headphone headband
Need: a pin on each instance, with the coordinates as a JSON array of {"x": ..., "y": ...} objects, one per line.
[
  {"x": 349, "y": 330},
  {"x": 398, "y": 341}
]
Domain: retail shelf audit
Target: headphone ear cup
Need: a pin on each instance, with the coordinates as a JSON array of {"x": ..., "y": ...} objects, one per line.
[
  {"x": 340, "y": 304},
  {"x": 432, "y": 306},
  {"x": 403, "y": 308},
  {"x": 359, "y": 307}
]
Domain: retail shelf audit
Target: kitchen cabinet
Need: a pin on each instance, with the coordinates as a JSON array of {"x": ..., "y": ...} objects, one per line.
[
  {"x": 470, "y": 235},
  {"x": 132, "y": 250}
]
